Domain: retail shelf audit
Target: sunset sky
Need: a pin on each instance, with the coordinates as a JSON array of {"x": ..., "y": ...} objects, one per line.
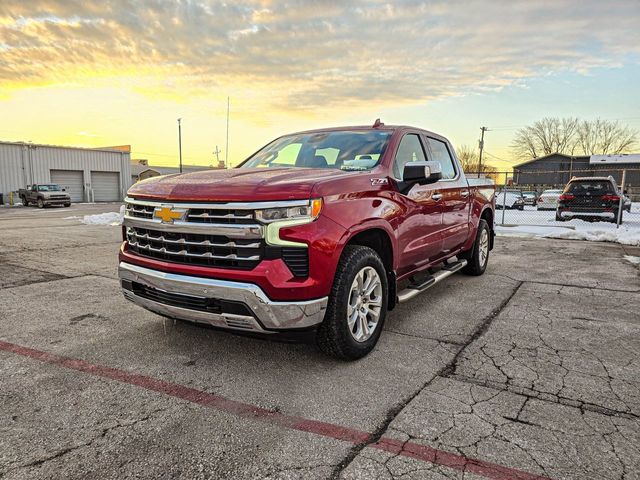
[{"x": 121, "y": 72}]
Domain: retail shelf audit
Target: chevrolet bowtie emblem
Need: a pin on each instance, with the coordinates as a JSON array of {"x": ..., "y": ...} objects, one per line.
[{"x": 168, "y": 214}]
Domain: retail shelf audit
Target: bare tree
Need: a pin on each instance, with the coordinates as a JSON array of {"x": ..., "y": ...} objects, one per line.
[
  {"x": 470, "y": 160},
  {"x": 546, "y": 136},
  {"x": 605, "y": 137},
  {"x": 572, "y": 137}
]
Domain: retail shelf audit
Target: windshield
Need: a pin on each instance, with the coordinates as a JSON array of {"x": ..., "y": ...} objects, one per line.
[
  {"x": 49, "y": 188},
  {"x": 343, "y": 150}
]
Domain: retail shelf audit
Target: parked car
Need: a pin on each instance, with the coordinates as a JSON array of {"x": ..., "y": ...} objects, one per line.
[
  {"x": 591, "y": 199},
  {"x": 530, "y": 198},
  {"x": 548, "y": 200},
  {"x": 318, "y": 233},
  {"x": 510, "y": 200},
  {"x": 44, "y": 195}
]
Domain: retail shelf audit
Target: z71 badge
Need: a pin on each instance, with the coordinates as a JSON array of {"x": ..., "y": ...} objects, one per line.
[{"x": 379, "y": 181}]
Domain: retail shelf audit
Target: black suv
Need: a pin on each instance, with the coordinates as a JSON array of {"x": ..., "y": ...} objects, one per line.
[{"x": 591, "y": 199}]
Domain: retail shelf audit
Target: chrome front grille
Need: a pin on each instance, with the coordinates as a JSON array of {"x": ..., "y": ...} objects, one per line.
[
  {"x": 139, "y": 211},
  {"x": 208, "y": 215},
  {"x": 195, "y": 248},
  {"x": 224, "y": 235}
]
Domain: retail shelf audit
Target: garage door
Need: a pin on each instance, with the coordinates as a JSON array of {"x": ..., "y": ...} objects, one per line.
[
  {"x": 106, "y": 186},
  {"x": 72, "y": 181}
]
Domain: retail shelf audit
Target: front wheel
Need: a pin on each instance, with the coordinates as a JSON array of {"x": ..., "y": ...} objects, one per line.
[
  {"x": 478, "y": 257},
  {"x": 357, "y": 305},
  {"x": 40, "y": 203}
]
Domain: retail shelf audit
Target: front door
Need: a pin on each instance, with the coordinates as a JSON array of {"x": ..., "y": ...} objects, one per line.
[{"x": 419, "y": 233}]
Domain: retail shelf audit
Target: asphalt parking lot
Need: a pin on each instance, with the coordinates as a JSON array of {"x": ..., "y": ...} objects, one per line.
[{"x": 531, "y": 371}]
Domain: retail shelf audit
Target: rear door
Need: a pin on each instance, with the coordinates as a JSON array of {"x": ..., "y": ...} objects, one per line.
[
  {"x": 455, "y": 193},
  {"x": 419, "y": 231}
]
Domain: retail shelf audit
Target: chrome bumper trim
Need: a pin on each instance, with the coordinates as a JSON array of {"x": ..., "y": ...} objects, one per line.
[
  {"x": 588, "y": 214},
  {"x": 269, "y": 315},
  {"x": 227, "y": 230}
]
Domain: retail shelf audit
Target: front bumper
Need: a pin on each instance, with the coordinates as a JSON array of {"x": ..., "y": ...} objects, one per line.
[{"x": 220, "y": 303}]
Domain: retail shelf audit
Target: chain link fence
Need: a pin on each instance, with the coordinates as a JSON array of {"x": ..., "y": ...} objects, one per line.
[{"x": 551, "y": 203}]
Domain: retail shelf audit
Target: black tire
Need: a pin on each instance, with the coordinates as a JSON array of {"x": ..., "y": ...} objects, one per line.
[
  {"x": 334, "y": 337},
  {"x": 67, "y": 205},
  {"x": 40, "y": 203},
  {"x": 559, "y": 218},
  {"x": 475, "y": 264},
  {"x": 25, "y": 202}
]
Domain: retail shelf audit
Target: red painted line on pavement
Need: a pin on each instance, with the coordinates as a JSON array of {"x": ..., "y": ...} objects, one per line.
[{"x": 245, "y": 410}]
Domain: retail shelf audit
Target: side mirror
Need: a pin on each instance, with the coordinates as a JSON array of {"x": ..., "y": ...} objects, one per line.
[{"x": 421, "y": 173}]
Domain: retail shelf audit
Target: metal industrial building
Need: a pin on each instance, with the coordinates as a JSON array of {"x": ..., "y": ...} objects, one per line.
[
  {"x": 557, "y": 169},
  {"x": 88, "y": 174}
]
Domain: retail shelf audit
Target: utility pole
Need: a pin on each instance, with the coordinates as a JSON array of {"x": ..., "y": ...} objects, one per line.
[
  {"x": 481, "y": 145},
  {"x": 180, "y": 142},
  {"x": 216, "y": 152},
  {"x": 226, "y": 150}
]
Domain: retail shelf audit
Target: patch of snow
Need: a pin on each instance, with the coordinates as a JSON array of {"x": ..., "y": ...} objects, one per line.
[
  {"x": 109, "y": 218},
  {"x": 590, "y": 232},
  {"x": 632, "y": 259}
]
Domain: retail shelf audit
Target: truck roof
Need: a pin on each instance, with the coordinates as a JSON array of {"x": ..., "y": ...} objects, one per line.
[{"x": 382, "y": 127}]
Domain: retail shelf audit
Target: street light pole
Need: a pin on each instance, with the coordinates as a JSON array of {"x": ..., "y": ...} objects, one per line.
[{"x": 180, "y": 142}]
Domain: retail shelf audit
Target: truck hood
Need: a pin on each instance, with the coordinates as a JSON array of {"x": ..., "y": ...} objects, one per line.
[{"x": 237, "y": 184}]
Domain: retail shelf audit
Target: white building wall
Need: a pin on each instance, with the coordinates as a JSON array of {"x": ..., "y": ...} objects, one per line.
[{"x": 24, "y": 164}]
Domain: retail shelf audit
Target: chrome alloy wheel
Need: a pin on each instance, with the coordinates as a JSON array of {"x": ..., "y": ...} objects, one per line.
[
  {"x": 483, "y": 247},
  {"x": 365, "y": 303}
]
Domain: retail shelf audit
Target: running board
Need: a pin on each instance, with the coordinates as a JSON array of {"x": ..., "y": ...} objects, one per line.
[{"x": 417, "y": 288}]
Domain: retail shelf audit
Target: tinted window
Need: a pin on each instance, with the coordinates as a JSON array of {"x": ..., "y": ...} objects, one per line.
[
  {"x": 345, "y": 150},
  {"x": 409, "y": 150},
  {"x": 441, "y": 154},
  {"x": 590, "y": 187}
]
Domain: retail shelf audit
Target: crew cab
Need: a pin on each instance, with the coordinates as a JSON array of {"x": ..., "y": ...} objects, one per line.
[
  {"x": 319, "y": 233},
  {"x": 44, "y": 195}
]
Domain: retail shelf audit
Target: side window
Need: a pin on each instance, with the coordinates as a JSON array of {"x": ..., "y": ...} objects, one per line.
[
  {"x": 409, "y": 150},
  {"x": 441, "y": 154}
]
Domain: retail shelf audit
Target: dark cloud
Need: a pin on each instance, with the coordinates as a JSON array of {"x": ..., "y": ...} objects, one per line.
[{"x": 323, "y": 52}]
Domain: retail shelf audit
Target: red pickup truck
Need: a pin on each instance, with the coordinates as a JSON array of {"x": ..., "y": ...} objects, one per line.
[{"x": 319, "y": 232}]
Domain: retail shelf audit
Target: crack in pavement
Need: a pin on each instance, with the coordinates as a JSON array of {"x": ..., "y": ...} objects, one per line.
[
  {"x": 102, "y": 434},
  {"x": 393, "y": 412}
]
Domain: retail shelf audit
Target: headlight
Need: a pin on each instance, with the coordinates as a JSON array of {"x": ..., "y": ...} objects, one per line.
[{"x": 309, "y": 212}]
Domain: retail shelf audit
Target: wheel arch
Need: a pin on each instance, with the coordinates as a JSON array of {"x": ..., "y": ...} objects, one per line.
[{"x": 378, "y": 239}]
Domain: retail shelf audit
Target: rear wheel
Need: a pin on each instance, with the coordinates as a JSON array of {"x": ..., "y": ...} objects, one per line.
[
  {"x": 357, "y": 305},
  {"x": 478, "y": 257},
  {"x": 25, "y": 202}
]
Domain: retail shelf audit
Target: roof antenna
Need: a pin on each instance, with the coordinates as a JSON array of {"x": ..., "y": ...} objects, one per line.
[{"x": 378, "y": 123}]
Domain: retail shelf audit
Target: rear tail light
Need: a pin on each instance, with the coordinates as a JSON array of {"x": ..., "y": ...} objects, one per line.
[
  {"x": 567, "y": 196},
  {"x": 611, "y": 198}
]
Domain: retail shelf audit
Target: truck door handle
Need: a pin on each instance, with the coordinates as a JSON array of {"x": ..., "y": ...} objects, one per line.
[
  {"x": 436, "y": 196},
  {"x": 464, "y": 193}
]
